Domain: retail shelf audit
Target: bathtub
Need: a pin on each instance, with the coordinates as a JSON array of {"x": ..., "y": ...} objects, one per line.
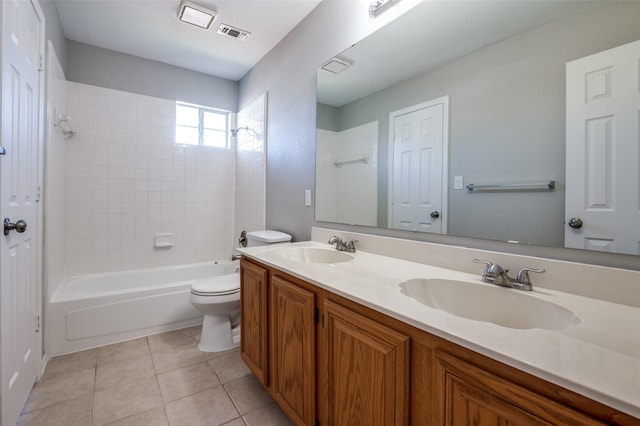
[{"x": 99, "y": 309}]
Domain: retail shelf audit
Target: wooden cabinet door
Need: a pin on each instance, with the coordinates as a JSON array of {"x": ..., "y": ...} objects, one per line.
[
  {"x": 293, "y": 343},
  {"x": 472, "y": 396},
  {"x": 366, "y": 369},
  {"x": 253, "y": 319}
]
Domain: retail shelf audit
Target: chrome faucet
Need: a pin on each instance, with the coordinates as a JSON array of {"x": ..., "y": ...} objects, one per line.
[
  {"x": 349, "y": 246},
  {"x": 495, "y": 274}
]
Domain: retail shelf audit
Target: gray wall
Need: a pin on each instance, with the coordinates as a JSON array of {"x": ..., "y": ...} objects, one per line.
[
  {"x": 114, "y": 70},
  {"x": 507, "y": 104},
  {"x": 327, "y": 117},
  {"x": 53, "y": 31},
  {"x": 288, "y": 73}
]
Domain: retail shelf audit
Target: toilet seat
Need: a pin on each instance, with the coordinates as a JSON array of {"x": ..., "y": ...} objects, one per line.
[{"x": 221, "y": 285}]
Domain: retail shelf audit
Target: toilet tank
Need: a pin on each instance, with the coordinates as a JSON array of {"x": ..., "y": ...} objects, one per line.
[{"x": 264, "y": 237}]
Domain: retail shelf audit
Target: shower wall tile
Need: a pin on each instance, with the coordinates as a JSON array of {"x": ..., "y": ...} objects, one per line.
[
  {"x": 358, "y": 201},
  {"x": 55, "y": 177},
  {"x": 126, "y": 180},
  {"x": 250, "y": 167}
]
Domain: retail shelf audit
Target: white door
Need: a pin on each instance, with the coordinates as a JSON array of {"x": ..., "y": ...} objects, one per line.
[
  {"x": 419, "y": 162},
  {"x": 603, "y": 157},
  {"x": 20, "y": 345}
]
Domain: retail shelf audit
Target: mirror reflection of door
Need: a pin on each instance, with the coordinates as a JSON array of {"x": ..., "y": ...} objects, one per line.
[
  {"x": 603, "y": 151},
  {"x": 419, "y": 162}
]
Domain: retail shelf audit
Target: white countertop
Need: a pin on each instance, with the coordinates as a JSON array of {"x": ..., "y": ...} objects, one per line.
[{"x": 598, "y": 358}]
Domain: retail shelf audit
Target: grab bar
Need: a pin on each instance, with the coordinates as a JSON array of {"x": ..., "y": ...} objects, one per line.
[
  {"x": 524, "y": 186},
  {"x": 364, "y": 159}
]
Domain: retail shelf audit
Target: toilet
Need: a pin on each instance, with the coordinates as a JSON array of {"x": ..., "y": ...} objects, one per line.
[{"x": 218, "y": 298}]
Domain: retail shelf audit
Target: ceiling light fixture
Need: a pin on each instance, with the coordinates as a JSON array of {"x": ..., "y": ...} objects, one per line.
[
  {"x": 378, "y": 7},
  {"x": 336, "y": 65},
  {"x": 197, "y": 15}
]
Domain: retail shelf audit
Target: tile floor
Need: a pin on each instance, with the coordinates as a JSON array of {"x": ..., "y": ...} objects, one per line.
[{"x": 157, "y": 380}]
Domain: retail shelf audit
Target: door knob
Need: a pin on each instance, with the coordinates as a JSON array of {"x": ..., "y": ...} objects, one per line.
[
  {"x": 20, "y": 226},
  {"x": 575, "y": 223},
  {"x": 435, "y": 214}
]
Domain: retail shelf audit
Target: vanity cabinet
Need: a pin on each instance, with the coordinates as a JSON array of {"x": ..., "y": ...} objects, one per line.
[
  {"x": 293, "y": 346},
  {"x": 470, "y": 395},
  {"x": 366, "y": 370},
  {"x": 327, "y": 360},
  {"x": 253, "y": 319}
]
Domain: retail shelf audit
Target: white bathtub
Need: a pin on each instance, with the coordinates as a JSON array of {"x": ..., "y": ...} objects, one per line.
[{"x": 99, "y": 309}]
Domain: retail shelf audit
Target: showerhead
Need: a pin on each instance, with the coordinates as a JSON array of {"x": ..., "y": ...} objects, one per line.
[{"x": 234, "y": 132}]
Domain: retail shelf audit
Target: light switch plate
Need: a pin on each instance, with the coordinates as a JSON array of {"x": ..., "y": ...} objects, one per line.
[
  {"x": 307, "y": 197},
  {"x": 458, "y": 182}
]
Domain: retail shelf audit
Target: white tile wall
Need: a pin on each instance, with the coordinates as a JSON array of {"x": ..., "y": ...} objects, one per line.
[
  {"x": 54, "y": 211},
  {"x": 126, "y": 180},
  {"x": 250, "y": 168},
  {"x": 357, "y": 202},
  {"x": 326, "y": 178}
]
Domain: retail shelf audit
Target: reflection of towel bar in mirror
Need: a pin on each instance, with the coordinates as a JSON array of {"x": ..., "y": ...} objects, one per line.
[
  {"x": 364, "y": 159},
  {"x": 63, "y": 123},
  {"x": 521, "y": 186}
]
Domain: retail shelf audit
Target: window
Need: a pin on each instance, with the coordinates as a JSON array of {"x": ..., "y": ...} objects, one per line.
[{"x": 198, "y": 125}]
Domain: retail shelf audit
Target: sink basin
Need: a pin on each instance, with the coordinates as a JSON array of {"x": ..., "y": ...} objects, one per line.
[
  {"x": 490, "y": 303},
  {"x": 314, "y": 255}
]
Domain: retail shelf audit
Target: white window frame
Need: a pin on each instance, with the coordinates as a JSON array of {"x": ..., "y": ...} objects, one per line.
[{"x": 201, "y": 111}]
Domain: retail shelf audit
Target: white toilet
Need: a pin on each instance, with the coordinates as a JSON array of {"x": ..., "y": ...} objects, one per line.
[{"x": 218, "y": 298}]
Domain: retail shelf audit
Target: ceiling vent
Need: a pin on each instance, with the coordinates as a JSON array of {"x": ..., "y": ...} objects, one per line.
[
  {"x": 336, "y": 65},
  {"x": 234, "y": 32}
]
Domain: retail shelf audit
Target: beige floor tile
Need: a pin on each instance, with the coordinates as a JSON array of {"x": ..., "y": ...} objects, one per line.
[
  {"x": 236, "y": 422},
  {"x": 124, "y": 372},
  {"x": 196, "y": 332},
  {"x": 153, "y": 417},
  {"x": 119, "y": 402},
  {"x": 229, "y": 367},
  {"x": 126, "y": 384},
  {"x": 271, "y": 415},
  {"x": 209, "y": 407},
  {"x": 124, "y": 350},
  {"x": 248, "y": 394},
  {"x": 61, "y": 388},
  {"x": 186, "y": 381},
  {"x": 70, "y": 363},
  {"x": 213, "y": 355},
  {"x": 180, "y": 356},
  {"x": 76, "y": 412},
  {"x": 161, "y": 341}
]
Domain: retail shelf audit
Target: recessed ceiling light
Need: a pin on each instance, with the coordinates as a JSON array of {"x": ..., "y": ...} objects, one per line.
[{"x": 197, "y": 15}]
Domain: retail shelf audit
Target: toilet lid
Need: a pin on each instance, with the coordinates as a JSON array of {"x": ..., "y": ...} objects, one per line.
[{"x": 217, "y": 286}]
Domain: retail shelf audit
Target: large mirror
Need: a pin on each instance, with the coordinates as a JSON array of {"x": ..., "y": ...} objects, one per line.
[{"x": 471, "y": 118}]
